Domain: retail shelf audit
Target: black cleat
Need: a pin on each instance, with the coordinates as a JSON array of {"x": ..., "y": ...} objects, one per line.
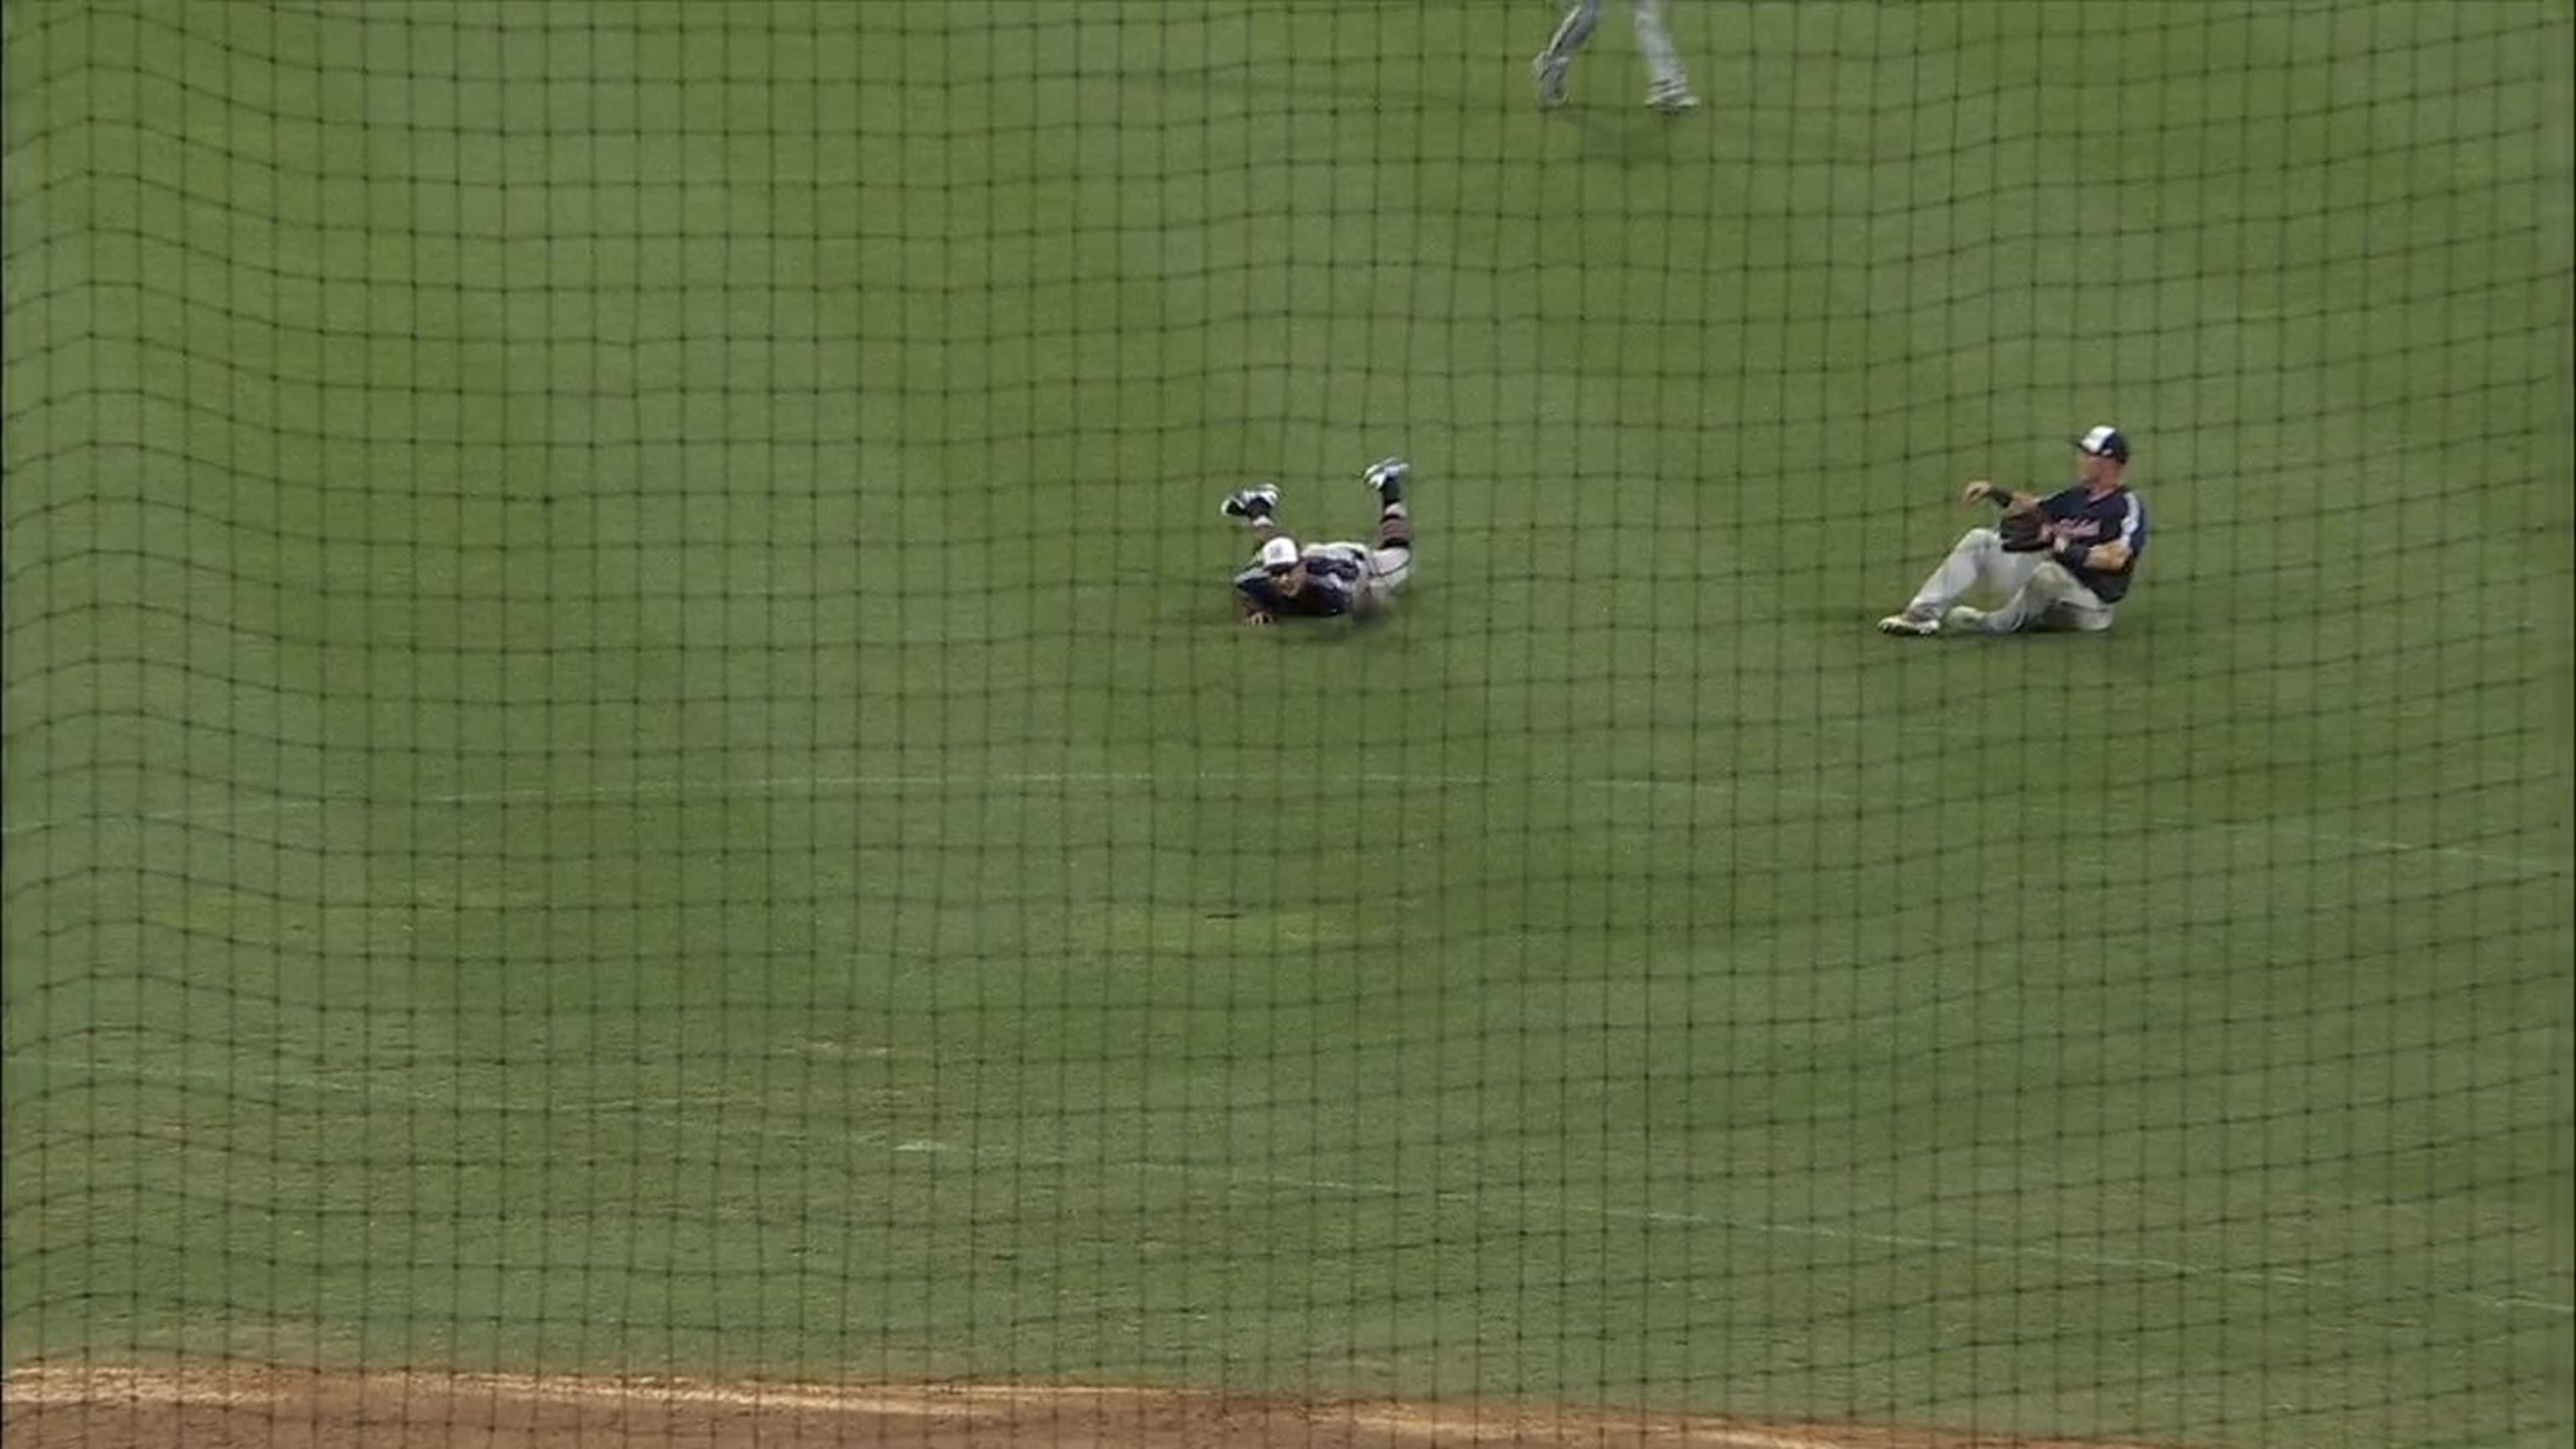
[
  {"x": 1251, "y": 503},
  {"x": 1387, "y": 476}
]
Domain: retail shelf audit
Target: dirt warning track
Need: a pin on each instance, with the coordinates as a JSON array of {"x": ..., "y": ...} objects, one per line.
[{"x": 126, "y": 1407}]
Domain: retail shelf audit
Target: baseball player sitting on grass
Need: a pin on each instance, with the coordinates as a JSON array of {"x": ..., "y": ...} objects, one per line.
[
  {"x": 2062, "y": 562},
  {"x": 1324, "y": 580}
]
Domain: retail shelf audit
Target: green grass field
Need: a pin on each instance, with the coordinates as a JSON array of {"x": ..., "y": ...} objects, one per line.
[{"x": 625, "y": 752}]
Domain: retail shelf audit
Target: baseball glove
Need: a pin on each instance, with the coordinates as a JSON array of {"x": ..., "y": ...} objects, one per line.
[{"x": 2022, "y": 531}]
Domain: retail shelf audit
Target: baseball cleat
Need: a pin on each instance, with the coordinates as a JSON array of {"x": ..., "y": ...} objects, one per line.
[
  {"x": 1673, "y": 99},
  {"x": 1547, "y": 78},
  {"x": 1251, "y": 503},
  {"x": 1909, "y": 623},
  {"x": 1386, "y": 476}
]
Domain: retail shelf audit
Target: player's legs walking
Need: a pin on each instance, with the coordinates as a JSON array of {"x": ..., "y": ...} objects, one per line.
[
  {"x": 1548, "y": 70},
  {"x": 1667, "y": 84},
  {"x": 1977, "y": 558}
]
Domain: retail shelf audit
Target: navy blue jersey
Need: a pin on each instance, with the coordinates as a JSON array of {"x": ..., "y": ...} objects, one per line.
[
  {"x": 1332, "y": 586},
  {"x": 2084, "y": 521}
]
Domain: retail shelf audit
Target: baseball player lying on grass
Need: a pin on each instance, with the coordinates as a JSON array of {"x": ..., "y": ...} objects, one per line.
[
  {"x": 1324, "y": 580},
  {"x": 2062, "y": 562}
]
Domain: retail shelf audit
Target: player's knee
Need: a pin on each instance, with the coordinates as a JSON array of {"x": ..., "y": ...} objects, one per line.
[
  {"x": 1981, "y": 539},
  {"x": 2050, "y": 580}
]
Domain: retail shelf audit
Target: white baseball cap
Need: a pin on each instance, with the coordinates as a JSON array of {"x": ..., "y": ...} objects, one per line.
[
  {"x": 2104, "y": 441},
  {"x": 1279, "y": 555}
]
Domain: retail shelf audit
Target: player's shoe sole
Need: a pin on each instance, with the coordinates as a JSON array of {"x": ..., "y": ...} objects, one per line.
[
  {"x": 1547, "y": 80},
  {"x": 1673, "y": 100},
  {"x": 1908, "y": 624}
]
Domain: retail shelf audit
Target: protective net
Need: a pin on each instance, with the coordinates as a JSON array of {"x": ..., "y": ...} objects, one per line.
[{"x": 639, "y": 804}]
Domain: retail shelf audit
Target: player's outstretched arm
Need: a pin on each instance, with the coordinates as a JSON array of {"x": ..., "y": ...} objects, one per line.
[
  {"x": 1252, "y": 605},
  {"x": 2004, "y": 498},
  {"x": 2025, "y": 526}
]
